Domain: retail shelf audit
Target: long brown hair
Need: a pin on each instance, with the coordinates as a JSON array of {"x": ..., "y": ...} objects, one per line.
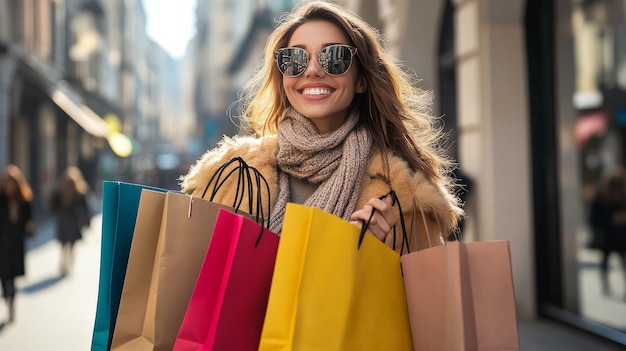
[
  {"x": 393, "y": 109},
  {"x": 14, "y": 174}
]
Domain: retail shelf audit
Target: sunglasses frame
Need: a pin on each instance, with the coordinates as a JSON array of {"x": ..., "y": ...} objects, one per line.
[{"x": 352, "y": 49}]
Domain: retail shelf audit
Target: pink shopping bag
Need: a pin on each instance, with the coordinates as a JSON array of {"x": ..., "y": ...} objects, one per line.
[{"x": 227, "y": 307}]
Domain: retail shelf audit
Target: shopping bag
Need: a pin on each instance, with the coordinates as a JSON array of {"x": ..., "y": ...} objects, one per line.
[
  {"x": 227, "y": 307},
  {"x": 328, "y": 293},
  {"x": 120, "y": 203},
  {"x": 149, "y": 318},
  {"x": 460, "y": 297},
  {"x": 133, "y": 301}
]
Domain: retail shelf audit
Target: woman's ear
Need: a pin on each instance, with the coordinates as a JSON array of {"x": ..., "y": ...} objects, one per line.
[{"x": 361, "y": 85}]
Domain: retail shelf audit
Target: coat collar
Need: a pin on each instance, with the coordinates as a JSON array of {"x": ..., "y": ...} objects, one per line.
[{"x": 411, "y": 187}]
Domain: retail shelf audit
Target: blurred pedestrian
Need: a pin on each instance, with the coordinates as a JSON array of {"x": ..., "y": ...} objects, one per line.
[
  {"x": 69, "y": 204},
  {"x": 16, "y": 224},
  {"x": 608, "y": 223}
]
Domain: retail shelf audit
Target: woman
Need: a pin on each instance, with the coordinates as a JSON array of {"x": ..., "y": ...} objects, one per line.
[
  {"x": 69, "y": 203},
  {"x": 338, "y": 124},
  {"x": 16, "y": 223}
]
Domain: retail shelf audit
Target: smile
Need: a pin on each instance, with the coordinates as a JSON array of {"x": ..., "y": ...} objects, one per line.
[{"x": 316, "y": 91}]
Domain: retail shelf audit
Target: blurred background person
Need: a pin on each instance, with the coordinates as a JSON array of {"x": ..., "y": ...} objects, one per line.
[
  {"x": 72, "y": 212},
  {"x": 16, "y": 224},
  {"x": 607, "y": 220}
]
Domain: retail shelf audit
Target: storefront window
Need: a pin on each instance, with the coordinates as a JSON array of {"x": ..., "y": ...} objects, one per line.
[{"x": 594, "y": 140}]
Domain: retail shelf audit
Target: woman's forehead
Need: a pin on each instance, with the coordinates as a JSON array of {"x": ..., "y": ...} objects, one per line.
[{"x": 315, "y": 35}]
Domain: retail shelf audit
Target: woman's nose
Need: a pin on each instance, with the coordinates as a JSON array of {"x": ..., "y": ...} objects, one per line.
[{"x": 314, "y": 69}]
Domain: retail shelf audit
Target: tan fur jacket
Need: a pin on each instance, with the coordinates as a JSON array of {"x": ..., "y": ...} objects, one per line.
[{"x": 441, "y": 209}]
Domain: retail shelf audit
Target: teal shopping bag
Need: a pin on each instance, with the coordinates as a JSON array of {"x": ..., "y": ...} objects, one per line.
[{"x": 120, "y": 202}]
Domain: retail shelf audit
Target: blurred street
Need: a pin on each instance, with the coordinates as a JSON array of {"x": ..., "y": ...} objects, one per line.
[{"x": 55, "y": 313}]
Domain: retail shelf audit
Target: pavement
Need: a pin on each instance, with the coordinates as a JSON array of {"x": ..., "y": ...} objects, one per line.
[{"x": 55, "y": 312}]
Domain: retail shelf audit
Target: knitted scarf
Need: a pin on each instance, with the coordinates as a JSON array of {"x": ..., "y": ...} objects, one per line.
[{"x": 336, "y": 161}]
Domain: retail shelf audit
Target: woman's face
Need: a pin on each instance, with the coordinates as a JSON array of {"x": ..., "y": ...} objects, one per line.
[{"x": 322, "y": 98}]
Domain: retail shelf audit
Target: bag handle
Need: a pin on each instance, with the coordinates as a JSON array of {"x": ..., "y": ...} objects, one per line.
[
  {"x": 259, "y": 201},
  {"x": 245, "y": 176},
  {"x": 217, "y": 176},
  {"x": 405, "y": 240},
  {"x": 259, "y": 181},
  {"x": 418, "y": 204}
]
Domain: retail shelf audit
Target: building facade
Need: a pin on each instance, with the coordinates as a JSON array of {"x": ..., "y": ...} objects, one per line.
[
  {"x": 46, "y": 78},
  {"x": 230, "y": 36},
  {"x": 80, "y": 85}
]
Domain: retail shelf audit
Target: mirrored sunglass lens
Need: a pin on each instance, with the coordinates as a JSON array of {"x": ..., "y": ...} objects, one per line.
[
  {"x": 336, "y": 59},
  {"x": 292, "y": 61}
]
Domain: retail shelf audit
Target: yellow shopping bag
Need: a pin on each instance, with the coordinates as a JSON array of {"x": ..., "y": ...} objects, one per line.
[{"x": 329, "y": 294}]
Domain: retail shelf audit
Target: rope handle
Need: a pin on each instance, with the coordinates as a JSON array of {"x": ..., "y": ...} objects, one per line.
[{"x": 418, "y": 204}]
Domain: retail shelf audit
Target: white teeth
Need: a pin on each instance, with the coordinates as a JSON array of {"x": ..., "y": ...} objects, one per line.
[{"x": 316, "y": 91}]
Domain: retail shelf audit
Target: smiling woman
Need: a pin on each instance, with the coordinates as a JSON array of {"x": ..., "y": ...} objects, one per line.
[
  {"x": 338, "y": 124},
  {"x": 339, "y": 127},
  {"x": 171, "y": 24}
]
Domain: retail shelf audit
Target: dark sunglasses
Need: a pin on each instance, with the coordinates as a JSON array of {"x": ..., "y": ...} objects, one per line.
[{"x": 334, "y": 59}]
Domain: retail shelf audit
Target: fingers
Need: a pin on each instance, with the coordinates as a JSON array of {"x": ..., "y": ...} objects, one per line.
[
  {"x": 384, "y": 216},
  {"x": 359, "y": 224},
  {"x": 383, "y": 219}
]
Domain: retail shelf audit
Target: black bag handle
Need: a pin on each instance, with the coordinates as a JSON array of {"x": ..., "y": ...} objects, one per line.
[
  {"x": 396, "y": 201},
  {"x": 259, "y": 177},
  {"x": 245, "y": 176},
  {"x": 217, "y": 176}
]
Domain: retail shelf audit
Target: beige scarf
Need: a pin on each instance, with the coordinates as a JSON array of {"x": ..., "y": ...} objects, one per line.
[{"x": 336, "y": 161}]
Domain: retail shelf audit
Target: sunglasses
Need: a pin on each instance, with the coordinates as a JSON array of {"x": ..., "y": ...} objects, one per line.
[{"x": 334, "y": 59}]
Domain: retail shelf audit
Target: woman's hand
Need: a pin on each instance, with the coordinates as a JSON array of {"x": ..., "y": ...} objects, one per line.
[{"x": 383, "y": 220}]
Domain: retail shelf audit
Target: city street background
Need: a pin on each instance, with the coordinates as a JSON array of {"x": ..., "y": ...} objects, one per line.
[{"x": 531, "y": 95}]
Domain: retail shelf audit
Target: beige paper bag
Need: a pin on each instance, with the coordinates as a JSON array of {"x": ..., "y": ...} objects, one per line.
[
  {"x": 460, "y": 297},
  {"x": 184, "y": 235},
  {"x": 133, "y": 302}
]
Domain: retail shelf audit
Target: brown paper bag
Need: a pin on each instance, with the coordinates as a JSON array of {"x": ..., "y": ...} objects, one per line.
[
  {"x": 169, "y": 272},
  {"x": 133, "y": 302},
  {"x": 460, "y": 297}
]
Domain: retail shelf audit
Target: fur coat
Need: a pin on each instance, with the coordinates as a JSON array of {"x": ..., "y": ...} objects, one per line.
[{"x": 440, "y": 208}]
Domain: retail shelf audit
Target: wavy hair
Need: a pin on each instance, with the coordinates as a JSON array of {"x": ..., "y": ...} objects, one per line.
[{"x": 393, "y": 109}]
